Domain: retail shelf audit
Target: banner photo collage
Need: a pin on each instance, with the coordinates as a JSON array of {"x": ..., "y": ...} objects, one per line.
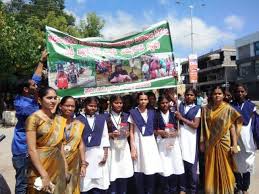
[{"x": 94, "y": 66}]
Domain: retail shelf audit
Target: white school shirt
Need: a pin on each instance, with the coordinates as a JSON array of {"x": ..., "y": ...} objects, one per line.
[
  {"x": 247, "y": 135},
  {"x": 171, "y": 158},
  {"x": 148, "y": 158},
  {"x": 120, "y": 162},
  {"x": 87, "y": 183},
  {"x": 188, "y": 138},
  {"x": 245, "y": 159}
]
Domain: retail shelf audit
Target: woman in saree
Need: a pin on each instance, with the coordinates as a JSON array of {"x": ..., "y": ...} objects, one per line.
[
  {"x": 45, "y": 133},
  {"x": 221, "y": 126},
  {"x": 74, "y": 148}
]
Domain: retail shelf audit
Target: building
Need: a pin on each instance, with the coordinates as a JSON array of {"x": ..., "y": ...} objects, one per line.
[
  {"x": 248, "y": 63},
  {"x": 178, "y": 66},
  {"x": 214, "y": 68}
]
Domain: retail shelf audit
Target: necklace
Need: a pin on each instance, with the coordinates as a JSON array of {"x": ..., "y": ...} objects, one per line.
[
  {"x": 68, "y": 130},
  {"x": 117, "y": 122}
]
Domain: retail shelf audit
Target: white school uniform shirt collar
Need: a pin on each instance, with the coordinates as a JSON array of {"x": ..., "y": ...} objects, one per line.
[
  {"x": 116, "y": 118},
  {"x": 241, "y": 106},
  {"x": 88, "y": 116},
  {"x": 187, "y": 107},
  {"x": 116, "y": 114},
  {"x": 143, "y": 114},
  {"x": 90, "y": 120},
  {"x": 165, "y": 117}
]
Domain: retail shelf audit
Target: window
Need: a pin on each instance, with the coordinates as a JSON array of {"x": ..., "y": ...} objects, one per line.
[
  {"x": 245, "y": 69},
  {"x": 232, "y": 58},
  {"x": 257, "y": 67},
  {"x": 244, "y": 51},
  {"x": 256, "y": 48}
]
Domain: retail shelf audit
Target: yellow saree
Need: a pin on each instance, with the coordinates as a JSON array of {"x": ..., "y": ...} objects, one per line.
[
  {"x": 73, "y": 156},
  {"x": 49, "y": 137},
  {"x": 219, "y": 163}
]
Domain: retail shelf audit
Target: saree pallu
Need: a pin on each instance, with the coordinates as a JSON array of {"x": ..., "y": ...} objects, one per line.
[
  {"x": 219, "y": 163},
  {"x": 49, "y": 137},
  {"x": 73, "y": 157}
]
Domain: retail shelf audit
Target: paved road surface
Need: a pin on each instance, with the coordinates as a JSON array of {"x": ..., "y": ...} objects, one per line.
[{"x": 6, "y": 168}]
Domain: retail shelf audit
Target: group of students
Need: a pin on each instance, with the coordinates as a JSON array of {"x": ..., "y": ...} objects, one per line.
[
  {"x": 154, "y": 150},
  {"x": 91, "y": 153}
]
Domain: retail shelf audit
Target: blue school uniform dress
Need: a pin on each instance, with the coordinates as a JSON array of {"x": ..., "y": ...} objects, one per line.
[
  {"x": 95, "y": 137},
  {"x": 245, "y": 159},
  {"x": 169, "y": 148},
  {"x": 188, "y": 142},
  {"x": 172, "y": 177},
  {"x": 148, "y": 160},
  {"x": 120, "y": 162}
]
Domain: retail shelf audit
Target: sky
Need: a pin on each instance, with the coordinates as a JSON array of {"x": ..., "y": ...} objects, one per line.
[{"x": 216, "y": 23}]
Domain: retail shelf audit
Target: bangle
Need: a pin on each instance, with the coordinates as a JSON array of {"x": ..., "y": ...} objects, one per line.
[{"x": 84, "y": 164}]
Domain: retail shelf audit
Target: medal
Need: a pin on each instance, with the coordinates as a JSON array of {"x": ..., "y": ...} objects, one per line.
[
  {"x": 89, "y": 138},
  {"x": 67, "y": 148},
  {"x": 67, "y": 131},
  {"x": 143, "y": 130}
]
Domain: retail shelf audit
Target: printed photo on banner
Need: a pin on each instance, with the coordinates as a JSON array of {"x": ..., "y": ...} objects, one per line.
[
  {"x": 157, "y": 66},
  {"x": 117, "y": 71},
  {"x": 69, "y": 74}
]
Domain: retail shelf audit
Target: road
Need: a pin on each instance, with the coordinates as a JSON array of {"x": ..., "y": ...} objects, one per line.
[{"x": 6, "y": 168}]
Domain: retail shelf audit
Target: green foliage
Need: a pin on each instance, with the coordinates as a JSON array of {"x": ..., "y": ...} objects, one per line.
[
  {"x": 22, "y": 32},
  {"x": 91, "y": 26}
]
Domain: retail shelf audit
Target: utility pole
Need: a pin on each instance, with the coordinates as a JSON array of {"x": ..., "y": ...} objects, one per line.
[
  {"x": 194, "y": 85},
  {"x": 191, "y": 9}
]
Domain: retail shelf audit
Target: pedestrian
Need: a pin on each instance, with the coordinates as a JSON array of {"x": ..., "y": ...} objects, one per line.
[
  {"x": 228, "y": 97},
  {"x": 121, "y": 167},
  {"x": 127, "y": 103},
  {"x": 221, "y": 126},
  {"x": 199, "y": 99},
  {"x": 144, "y": 151},
  {"x": 103, "y": 105},
  {"x": 74, "y": 148},
  {"x": 96, "y": 140},
  {"x": 189, "y": 117},
  {"x": 245, "y": 159},
  {"x": 152, "y": 100},
  {"x": 45, "y": 131},
  {"x": 172, "y": 176},
  {"x": 25, "y": 104}
]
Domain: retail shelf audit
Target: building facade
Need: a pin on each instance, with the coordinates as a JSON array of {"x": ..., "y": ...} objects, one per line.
[
  {"x": 214, "y": 68},
  {"x": 248, "y": 63}
]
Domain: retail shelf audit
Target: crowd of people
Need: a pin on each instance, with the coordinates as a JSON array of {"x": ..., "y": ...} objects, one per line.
[{"x": 139, "y": 143}]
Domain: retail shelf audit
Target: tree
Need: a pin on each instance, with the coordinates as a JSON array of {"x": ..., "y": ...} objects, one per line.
[
  {"x": 18, "y": 51},
  {"x": 91, "y": 26},
  {"x": 22, "y": 29}
]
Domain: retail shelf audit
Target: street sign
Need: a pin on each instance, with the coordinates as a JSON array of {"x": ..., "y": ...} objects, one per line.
[{"x": 193, "y": 68}]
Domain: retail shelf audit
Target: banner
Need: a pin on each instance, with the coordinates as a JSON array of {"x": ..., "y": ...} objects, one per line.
[
  {"x": 95, "y": 66},
  {"x": 193, "y": 68}
]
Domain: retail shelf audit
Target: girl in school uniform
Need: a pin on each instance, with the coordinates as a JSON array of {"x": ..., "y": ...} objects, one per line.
[
  {"x": 189, "y": 117},
  {"x": 120, "y": 163},
  {"x": 96, "y": 140},
  {"x": 245, "y": 159},
  {"x": 144, "y": 150},
  {"x": 172, "y": 177}
]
